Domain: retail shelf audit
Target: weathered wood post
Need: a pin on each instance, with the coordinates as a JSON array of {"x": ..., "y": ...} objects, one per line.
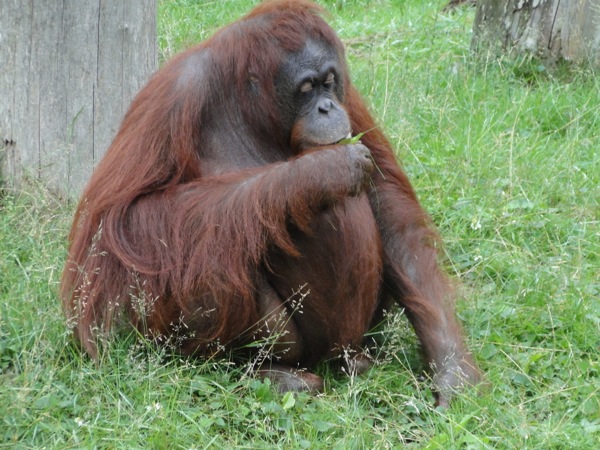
[
  {"x": 549, "y": 29},
  {"x": 68, "y": 71}
]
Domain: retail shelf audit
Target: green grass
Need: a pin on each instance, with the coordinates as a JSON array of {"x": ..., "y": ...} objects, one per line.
[{"x": 504, "y": 156}]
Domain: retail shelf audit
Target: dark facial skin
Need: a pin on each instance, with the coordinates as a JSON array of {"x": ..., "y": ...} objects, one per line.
[{"x": 311, "y": 95}]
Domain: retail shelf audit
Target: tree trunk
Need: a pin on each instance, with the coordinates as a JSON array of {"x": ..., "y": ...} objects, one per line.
[
  {"x": 69, "y": 69},
  {"x": 549, "y": 29}
]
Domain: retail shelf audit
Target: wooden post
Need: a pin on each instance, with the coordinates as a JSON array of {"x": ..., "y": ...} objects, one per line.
[
  {"x": 69, "y": 70},
  {"x": 549, "y": 29}
]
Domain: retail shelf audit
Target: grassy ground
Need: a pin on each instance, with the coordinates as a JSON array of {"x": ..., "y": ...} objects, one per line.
[{"x": 504, "y": 156}]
